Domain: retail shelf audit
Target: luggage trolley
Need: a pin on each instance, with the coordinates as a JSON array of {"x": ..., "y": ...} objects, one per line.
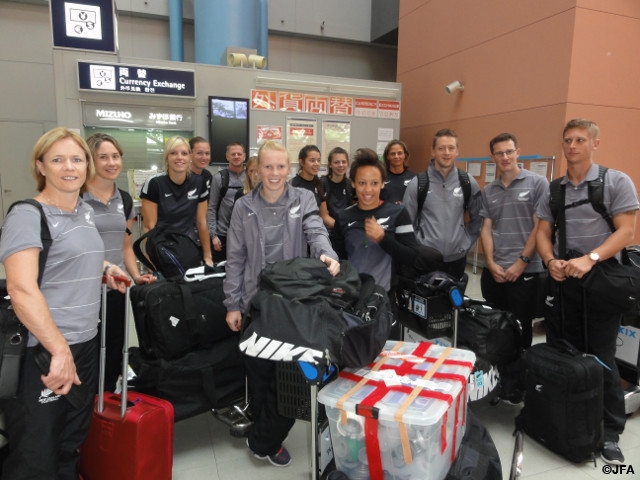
[
  {"x": 431, "y": 311},
  {"x": 430, "y": 306},
  {"x": 297, "y": 394}
]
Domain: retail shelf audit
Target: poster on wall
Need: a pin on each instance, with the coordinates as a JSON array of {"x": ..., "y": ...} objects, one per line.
[
  {"x": 85, "y": 24},
  {"x": 136, "y": 180},
  {"x": 265, "y": 133},
  {"x": 389, "y": 109},
  {"x": 264, "y": 100},
  {"x": 340, "y": 105},
  {"x": 366, "y": 107},
  {"x": 290, "y": 102},
  {"x": 335, "y": 133},
  {"x": 316, "y": 103},
  {"x": 299, "y": 132}
]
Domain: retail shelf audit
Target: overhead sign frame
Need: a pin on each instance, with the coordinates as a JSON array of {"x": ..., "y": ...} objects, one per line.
[{"x": 83, "y": 24}]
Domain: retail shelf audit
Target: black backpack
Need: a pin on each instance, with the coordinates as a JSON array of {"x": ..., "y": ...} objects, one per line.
[
  {"x": 13, "y": 334},
  {"x": 168, "y": 251},
  {"x": 423, "y": 189},
  {"x": 127, "y": 203},
  {"x": 595, "y": 196},
  {"x": 224, "y": 187}
]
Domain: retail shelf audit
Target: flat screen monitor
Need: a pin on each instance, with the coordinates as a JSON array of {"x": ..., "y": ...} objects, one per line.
[{"x": 228, "y": 123}]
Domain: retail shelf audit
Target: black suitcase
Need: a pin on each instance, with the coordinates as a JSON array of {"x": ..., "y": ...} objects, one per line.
[
  {"x": 200, "y": 381},
  {"x": 175, "y": 318},
  {"x": 563, "y": 400}
]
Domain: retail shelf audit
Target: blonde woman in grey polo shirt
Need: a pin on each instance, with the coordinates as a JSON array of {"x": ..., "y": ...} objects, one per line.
[
  {"x": 44, "y": 429},
  {"x": 114, "y": 225}
]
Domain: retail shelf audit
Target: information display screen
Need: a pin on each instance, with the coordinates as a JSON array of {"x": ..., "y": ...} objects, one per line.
[{"x": 228, "y": 123}]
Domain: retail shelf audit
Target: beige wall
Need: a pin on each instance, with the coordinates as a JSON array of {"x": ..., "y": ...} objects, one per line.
[{"x": 528, "y": 66}]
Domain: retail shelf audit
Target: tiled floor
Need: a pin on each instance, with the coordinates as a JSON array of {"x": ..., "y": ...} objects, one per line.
[{"x": 205, "y": 450}]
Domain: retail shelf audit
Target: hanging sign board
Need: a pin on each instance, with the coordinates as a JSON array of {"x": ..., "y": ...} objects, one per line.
[{"x": 85, "y": 24}]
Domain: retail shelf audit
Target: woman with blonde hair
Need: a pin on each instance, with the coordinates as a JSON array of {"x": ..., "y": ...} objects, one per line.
[
  {"x": 177, "y": 199},
  {"x": 114, "y": 217},
  {"x": 45, "y": 425},
  {"x": 271, "y": 223}
]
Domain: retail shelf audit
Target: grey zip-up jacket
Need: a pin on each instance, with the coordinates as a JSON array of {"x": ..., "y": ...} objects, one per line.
[
  {"x": 245, "y": 241},
  {"x": 442, "y": 224}
]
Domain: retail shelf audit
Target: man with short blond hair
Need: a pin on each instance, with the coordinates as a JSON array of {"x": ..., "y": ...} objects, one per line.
[{"x": 589, "y": 240}]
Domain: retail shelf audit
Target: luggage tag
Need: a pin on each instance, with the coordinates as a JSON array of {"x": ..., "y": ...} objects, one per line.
[{"x": 204, "y": 272}]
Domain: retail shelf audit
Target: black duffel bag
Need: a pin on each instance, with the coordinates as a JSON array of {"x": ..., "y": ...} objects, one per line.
[
  {"x": 302, "y": 279},
  {"x": 315, "y": 330},
  {"x": 168, "y": 251},
  {"x": 195, "y": 383},
  {"x": 616, "y": 284},
  {"x": 491, "y": 333},
  {"x": 175, "y": 318}
]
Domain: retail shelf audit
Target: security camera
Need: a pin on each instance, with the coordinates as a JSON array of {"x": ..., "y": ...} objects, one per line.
[{"x": 453, "y": 86}]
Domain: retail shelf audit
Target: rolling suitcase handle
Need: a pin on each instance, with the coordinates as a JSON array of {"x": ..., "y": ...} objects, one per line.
[
  {"x": 457, "y": 300},
  {"x": 518, "y": 456},
  {"x": 103, "y": 345}
]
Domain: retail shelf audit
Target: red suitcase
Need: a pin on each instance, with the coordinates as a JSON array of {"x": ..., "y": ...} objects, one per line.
[{"x": 131, "y": 441}]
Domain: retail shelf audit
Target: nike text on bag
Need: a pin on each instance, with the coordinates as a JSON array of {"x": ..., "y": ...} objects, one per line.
[{"x": 167, "y": 251}]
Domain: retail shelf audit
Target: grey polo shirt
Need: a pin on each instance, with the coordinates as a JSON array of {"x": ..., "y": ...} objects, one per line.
[
  {"x": 111, "y": 224},
  {"x": 586, "y": 229},
  {"x": 218, "y": 218},
  {"x": 73, "y": 271},
  {"x": 511, "y": 210}
]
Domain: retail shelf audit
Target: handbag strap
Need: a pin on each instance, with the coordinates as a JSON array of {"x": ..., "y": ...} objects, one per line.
[
  {"x": 562, "y": 251},
  {"x": 45, "y": 234}
]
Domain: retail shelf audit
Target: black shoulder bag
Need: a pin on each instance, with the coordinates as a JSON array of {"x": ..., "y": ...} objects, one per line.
[{"x": 13, "y": 334}]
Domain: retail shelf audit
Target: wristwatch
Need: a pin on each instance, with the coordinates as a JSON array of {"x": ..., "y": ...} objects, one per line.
[
  {"x": 594, "y": 256},
  {"x": 525, "y": 259}
]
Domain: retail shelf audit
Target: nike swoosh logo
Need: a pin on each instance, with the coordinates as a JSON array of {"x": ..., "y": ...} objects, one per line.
[
  {"x": 387, "y": 182},
  {"x": 295, "y": 209},
  {"x": 351, "y": 223},
  {"x": 382, "y": 221},
  {"x": 168, "y": 194},
  {"x": 54, "y": 225},
  {"x": 526, "y": 279}
]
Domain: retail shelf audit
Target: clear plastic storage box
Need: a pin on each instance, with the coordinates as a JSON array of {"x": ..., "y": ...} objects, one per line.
[{"x": 426, "y": 445}]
